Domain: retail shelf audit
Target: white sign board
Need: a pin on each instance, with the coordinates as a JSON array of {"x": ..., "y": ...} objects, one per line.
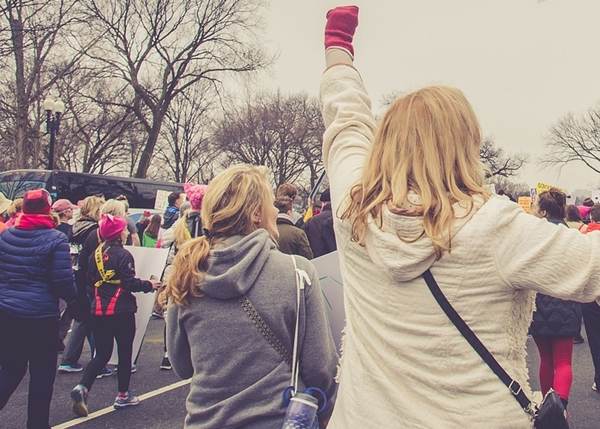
[
  {"x": 148, "y": 262},
  {"x": 330, "y": 277},
  {"x": 596, "y": 197},
  {"x": 162, "y": 200},
  {"x": 571, "y": 200}
]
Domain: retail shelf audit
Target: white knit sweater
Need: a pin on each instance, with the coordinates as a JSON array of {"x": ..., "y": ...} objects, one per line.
[{"x": 404, "y": 364}]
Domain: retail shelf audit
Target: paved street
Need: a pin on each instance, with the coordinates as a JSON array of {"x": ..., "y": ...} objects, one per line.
[{"x": 167, "y": 410}]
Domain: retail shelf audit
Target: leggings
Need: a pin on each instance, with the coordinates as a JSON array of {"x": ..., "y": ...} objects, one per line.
[
  {"x": 556, "y": 372},
  {"x": 29, "y": 344},
  {"x": 107, "y": 329}
]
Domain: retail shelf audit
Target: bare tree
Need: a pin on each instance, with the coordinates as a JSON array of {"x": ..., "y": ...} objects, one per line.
[
  {"x": 161, "y": 48},
  {"x": 283, "y": 133},
  {"x": 185, "y": 147},
  {"x": 497, "y": 162},
  {"x": 36, "y": 32},
  {"x": 574, "y": 139},
  {"x": 511, "y": 188}
]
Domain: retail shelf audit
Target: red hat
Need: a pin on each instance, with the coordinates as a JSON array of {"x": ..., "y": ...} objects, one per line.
[
  {"x": 37, "y": 201},
  {"x": 111, "y": 227},
  {"x": 63, "y": 205}
]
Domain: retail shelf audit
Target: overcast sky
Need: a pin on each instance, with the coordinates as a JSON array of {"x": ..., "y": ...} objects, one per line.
[{"x": 522, "y": 63}]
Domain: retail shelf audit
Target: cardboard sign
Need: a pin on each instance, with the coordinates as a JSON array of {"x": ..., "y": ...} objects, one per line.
[
  {"x": 526, "y": 203},
  {"x": 162, "y": 200},
  {"x": 148, "y": 262},
  {"x": 543, "y": 187}
]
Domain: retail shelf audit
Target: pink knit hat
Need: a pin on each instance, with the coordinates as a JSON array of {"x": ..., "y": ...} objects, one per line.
[
  {"x": 195, "y": 194},
  {"x": 111, "y": 227}
]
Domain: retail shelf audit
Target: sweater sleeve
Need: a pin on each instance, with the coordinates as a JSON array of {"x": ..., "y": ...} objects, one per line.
[
  {"x": 178, "y": 346},
  {"x": 350, "y": 127},
  {"x": 533, "y": 253},
  {"x": 127, "y": 275},
  {"x": 62, "y": 280},
  {"x": 318, "y": 357}
]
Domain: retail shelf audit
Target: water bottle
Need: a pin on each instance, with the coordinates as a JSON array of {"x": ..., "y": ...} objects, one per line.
[{"x": 301, "y": 412}]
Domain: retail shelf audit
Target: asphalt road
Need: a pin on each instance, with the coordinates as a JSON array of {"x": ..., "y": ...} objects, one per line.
[{"x": 167, "y": 410}]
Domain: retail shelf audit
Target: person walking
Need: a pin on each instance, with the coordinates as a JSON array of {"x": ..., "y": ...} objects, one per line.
[
  {"x": 232, "y": 290},
  {"x": 64, "y": 210},
  {"x": 85, "y": 226},
  {"x": 133, "y": 238},
  {"x": 409, "y": 197},
  {"x": 112, "y": 274},
  {"x": 150, "y": 237},
  {"x": 591, "y": 313},
  {"x": 556, "y": 322},
  {"x": 319, "y": 229},
  {"x": 292, "y": 240},
  {"x": 35, "y": 271}
]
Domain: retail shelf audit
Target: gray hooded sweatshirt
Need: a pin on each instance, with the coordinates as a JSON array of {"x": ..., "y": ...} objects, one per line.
[{"x": 238, "y": 379}]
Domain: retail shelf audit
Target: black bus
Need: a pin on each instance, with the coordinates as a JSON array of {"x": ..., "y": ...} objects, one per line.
[{"x": 141, "y": 193}]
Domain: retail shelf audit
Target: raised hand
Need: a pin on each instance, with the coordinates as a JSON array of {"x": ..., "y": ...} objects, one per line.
[{"x": 341, "y": 25}]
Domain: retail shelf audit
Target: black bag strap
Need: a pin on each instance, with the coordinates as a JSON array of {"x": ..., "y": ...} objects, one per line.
[{"x": 513, "y": 386}]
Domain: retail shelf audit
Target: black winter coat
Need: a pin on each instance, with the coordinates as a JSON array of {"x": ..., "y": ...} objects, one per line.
[
  {"x": 110, "y": 299},
  {"x": 555, "y": 317},
  {"x": 319, "y": 231}
]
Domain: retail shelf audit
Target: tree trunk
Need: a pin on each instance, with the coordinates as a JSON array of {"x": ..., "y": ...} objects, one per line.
[
  {"x": 146, "y": 155},
  {"x": 22, "y": 105}
]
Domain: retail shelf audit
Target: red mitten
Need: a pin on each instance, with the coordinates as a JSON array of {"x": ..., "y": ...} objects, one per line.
[{"x": 341, "y": 24}]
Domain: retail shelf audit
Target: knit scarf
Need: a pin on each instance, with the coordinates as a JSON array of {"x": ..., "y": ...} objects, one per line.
[{"x": 35, "y": 221}]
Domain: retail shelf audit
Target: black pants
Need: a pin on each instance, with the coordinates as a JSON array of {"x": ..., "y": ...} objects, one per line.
[
  {"x": 107, "y": 329},
  {"x": 29, "y": 343},
  {"x": 591, "y": 318}
]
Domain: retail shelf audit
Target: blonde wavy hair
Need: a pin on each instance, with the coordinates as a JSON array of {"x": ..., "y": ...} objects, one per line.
[
  {"x": 114, "y": 207},
  {"x": 232, "y": 198},
  {"x": 428, "y": 142},
  {"x": 91, "y": 207}
]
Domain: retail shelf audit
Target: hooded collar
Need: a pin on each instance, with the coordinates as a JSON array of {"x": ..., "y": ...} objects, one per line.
[{"x": 235, "y": 264}]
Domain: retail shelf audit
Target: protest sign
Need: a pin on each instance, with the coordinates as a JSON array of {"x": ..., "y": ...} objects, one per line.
[
  {"x": 525, "y": 203},
  {"x": 162, "y": 200},
  {"x": 596, "y": 197},
  {"x": 330, "y": 277},
  {"x": 543, "y": 187},
  {"x": 148, "y": 262}
]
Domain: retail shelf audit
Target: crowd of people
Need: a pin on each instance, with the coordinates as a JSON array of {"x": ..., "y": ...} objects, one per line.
[{"x": 417, "y": 233}]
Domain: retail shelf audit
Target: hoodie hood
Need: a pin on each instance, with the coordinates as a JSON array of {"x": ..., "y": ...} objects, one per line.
[
  {"x": 235, "y": 264},
  {"x": 82, "y": 228},
  {"x": 401, "y": 247}
]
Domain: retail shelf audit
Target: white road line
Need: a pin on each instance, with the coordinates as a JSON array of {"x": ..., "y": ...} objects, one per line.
[{"x": 110, "y": 409}]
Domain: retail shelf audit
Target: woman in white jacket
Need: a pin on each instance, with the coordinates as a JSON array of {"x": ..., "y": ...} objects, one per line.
[{"x": 409, "y": 195}]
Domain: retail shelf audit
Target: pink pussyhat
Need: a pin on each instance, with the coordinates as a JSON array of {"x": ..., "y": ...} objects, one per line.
[
  {"x": 111, "y": 227},
  {"x": 195, "y": 194}
]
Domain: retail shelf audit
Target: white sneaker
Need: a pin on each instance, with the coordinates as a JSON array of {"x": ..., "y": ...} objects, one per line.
[{"x": 594, "y": 387}]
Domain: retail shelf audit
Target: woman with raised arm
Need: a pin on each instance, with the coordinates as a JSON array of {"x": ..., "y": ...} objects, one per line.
[{"x": 408, "y": 196}]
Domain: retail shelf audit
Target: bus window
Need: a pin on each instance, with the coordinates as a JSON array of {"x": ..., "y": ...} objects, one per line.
[{"x": 14, "y": 184}]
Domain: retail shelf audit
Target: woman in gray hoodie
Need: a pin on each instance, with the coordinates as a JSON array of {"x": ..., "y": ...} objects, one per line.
[{"x": 240, "y": 368}]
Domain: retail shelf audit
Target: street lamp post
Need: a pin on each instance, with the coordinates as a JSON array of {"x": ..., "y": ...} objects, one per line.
[{"x": 54, "y": 110}]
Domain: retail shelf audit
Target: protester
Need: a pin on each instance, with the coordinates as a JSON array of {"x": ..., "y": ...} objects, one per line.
[
  {"x": 13, "y": 211},
  {"x": 151, "y": 232},
  {"x": 573, "y": 218},
  {"x": 175, "y": 200},
  {"x": 112, "y": 274},
  {"x": 132, "y": 239},
  {"x": 409, "y": 195},
  {"x": 291, "y": 191},
  {"x": 556, "y": 322},
  {"x": 85, "y": 226},
  {"x": 586, "y": 209},
  {"x": 35, "y": 270},
  {"x": 319, "y": 229},
  {"x": 292, "y": 240},
  {"x": 64, "y": 209},
  {"x": 591, "y": 313},
  {"x": 214, "y": 277},
  {"x": 143, "y": 223},
  {"x": 4, "y": 205}
]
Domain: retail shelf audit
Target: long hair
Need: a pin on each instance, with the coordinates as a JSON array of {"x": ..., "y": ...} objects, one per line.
[
  {"x": 428, "y": 142},
  {"x": 154, "y": 227},
  {"x": 91, "y": 207},
  {"x": 232, "y": 198}
]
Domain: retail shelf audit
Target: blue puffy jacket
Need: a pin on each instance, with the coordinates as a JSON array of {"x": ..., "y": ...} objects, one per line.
[{"x": 35, "y": 270}]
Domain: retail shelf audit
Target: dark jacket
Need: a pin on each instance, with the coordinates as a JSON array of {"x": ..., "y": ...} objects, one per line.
[
  {"x": 555, "y": 317},
  {"x": 35, "y": 270},
  {"x": 319, "y": 231},
  {"x": 66, "y": 229},
  {"x": 110, "y": 299},
  {"x": 171, "y": 215},
  {"x": 292, "y": 240},
  {"x": 194, "y": 224}
]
